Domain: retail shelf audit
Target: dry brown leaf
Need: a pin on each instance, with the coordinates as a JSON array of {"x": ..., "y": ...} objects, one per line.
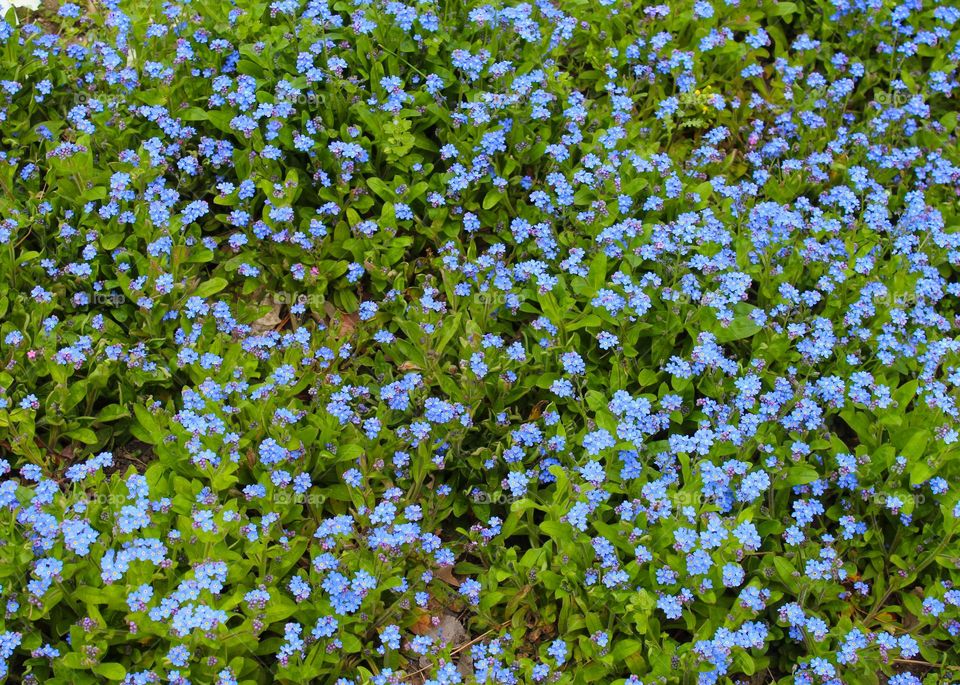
[
  {"x": 348, "y": 323},
  {"x": 445, "y": 573},
  {"x": 537, "y": 410},
  {"x": 422, "y": 625},
  {"x": 268, "y": 321}
]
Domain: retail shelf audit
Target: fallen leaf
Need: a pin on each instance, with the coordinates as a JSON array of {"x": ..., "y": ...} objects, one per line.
[
  {"x": 445, "y": 573},
  {"x": 268, "y": 321},
  {"x": 537, "y": 410},
  {"x": 422, "y": 625}
]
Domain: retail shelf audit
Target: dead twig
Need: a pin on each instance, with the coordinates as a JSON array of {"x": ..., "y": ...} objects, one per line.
[{"x": 462, "y": 647}]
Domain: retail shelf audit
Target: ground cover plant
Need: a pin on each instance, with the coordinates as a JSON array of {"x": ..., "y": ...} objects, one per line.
[{"x": 489, "y": 341}]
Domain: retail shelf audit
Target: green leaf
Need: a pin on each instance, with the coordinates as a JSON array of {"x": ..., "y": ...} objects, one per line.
[
  {"x": 112, "y": 412},
  {"x": 920, "y": 473},
  {"x": 210, "y": 287},
  {"x": 785, "y": 571},
  {"x": 351, "y": 645},
  {"x": 84, "y": 435},
  {"x": 597, "y": 276},
  {"x": 741, "y": 327},
  {"x": 801, "y": 475},
  {"x": 915, "y": 448},
  {"x": 381, "y": 189},
  {"x": 782, "y": 9},
  {"x": 110, "y": 671},
  {"x": 147, "y": 428},
  {"x": 349, "y": 452},
  {"x": 109, "y": 241},
  {"x": 450, "y": 328},
  {"x": 491, "y": 199}
]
